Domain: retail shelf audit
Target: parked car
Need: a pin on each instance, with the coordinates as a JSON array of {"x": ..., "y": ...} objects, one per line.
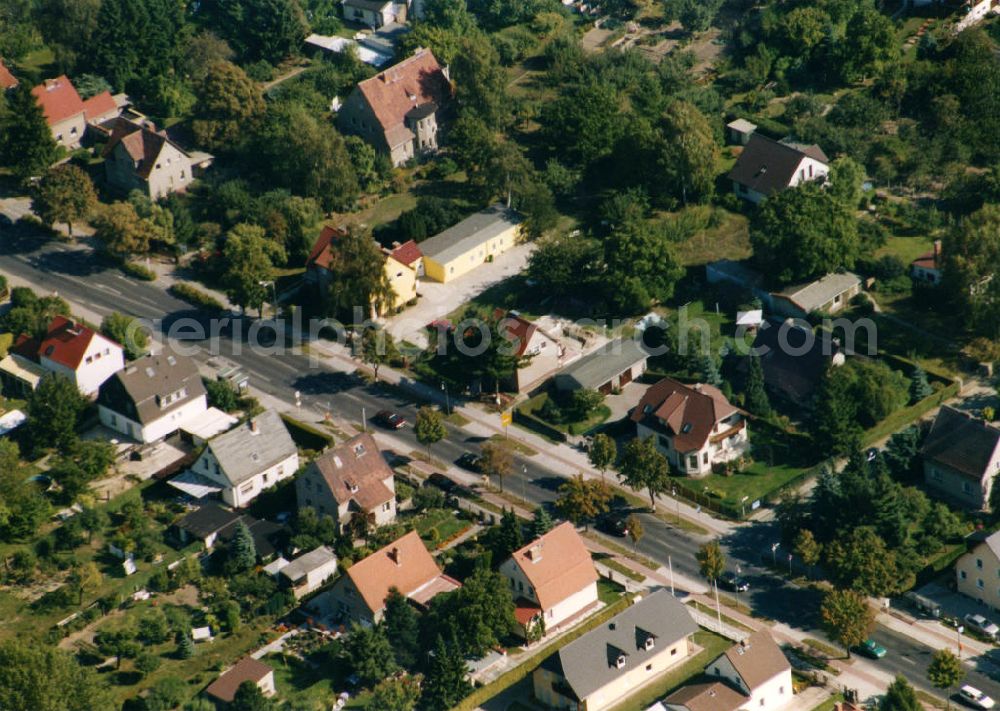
[
  {"x": 871, "y": 649},
  {"x": 471, "y": 461},
  {"x": 440, "y": 481},
  {"x": 613, "y": 523},
  {"x": 973, "y": 697},
  {"x": 390, "y": 420},
  {"x": 734, "y": 582},
  {"x": 983, "y": 626}
]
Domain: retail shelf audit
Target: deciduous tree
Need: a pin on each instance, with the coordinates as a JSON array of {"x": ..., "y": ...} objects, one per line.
[
  {"x": 126, "y": 331},
  {"x": 53, "y": 413},
  {"x": 376, "y": 348},
  {"x": 429, "y": 426},
  {"x": 497, "y": 460},
  {"x": 368, "y": 652},
  {"x": 602, "y": 453},
  {"x": 900, "y": 696},
  {"x": 711, "y": 560},
  {"x": 396, "y": 694},
  {"x": 808, "y": 548},
  {"x": 250, "y": 259},
  {"x": 43, "y": 678},
  {"x": 643, "y": 467},
  {"x": 121, "y": 231},
  {"x": 64, "y": 194},
  {"x": 847, "y": 617},
  {"x": 635, "y": 530},
  {"x": 229, "y": 106},
  {"x": 583, "y": 500},
  {"x": 689, "y": 155},
  {"x": 945, "y": 670}
]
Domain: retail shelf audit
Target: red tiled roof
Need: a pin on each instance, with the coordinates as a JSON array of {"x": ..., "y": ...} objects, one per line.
[
  {"x": 64, "y": 343},
  {"x": 689, "y": 412},
  {"x": 557, "y": 565},
  {"x": 525, "y": 611},
  {"x": 356, "y": 471},
  {"x": 416, "y": 81},
  {"x": 927, "y": 261},
  {"x": 404, "y": 564},
  {"x": 516, "y": 329},
  {"x": 142, "y": 144},
  {"x": 407, "y": 253},
  {"x": 100, "y": 106},
  {"x": 320, "y": 255},
  {"x": 7, "y": 80},
  {"x": 58, "y": 99}
]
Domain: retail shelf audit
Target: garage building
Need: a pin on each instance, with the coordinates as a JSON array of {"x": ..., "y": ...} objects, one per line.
[
  {"x": 611, "y": 366},
  {"x": 473, "y": 241}
]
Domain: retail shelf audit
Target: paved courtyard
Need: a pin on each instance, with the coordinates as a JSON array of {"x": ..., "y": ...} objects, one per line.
[{"x": 438, "y": 300}]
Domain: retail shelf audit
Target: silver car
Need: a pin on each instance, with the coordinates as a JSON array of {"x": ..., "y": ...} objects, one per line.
[
  {"x": 982, "y": 625},
  {"x": 975, "y": 698}
]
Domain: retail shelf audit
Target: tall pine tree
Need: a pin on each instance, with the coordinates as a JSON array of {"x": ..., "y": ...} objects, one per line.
[
  {"x": 445, "y": 684},
  {"x": 26, "y": 142},
  {"x": 509, "y": 537},
  {"x": 242, "y": 550},
  {"x": 756, "y": 394},
  {"x": 542, "y": 522},
  {"x": 402, "y": 629},
  {"x": 919, "y": 387}
]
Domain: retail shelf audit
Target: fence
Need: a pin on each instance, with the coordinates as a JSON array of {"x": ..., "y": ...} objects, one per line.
[{"x": 712, "y": 623}]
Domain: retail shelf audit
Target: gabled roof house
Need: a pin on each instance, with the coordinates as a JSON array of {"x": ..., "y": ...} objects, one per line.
[
  {"x": 405, "y": 564},
  {"x": 758, "y": 669},
  {"x": 398, "y": 110},
  {"x": 767, "y": 166},
  {"x": 552, "y": 579},
  {"x": 961, "y": 455},
  {"x": 153, "y": 397},
  {"x": 67, "y": 114},
  {"x": 602, "y": 667},
  {"x": 694, "y": 426},
  {"x": 245, "y": 461},
  {"x": 350, "y": 480},
  {"x": 7, "y": 80},
  {"x": 71, "y": 349},
  {"x": 138, "y": 157}
]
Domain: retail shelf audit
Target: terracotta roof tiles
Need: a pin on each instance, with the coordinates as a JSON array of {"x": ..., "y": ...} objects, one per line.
[
  {"x": 356, "y": 471},
  {"x": 393, "y": 93},
  {"x": 557, "y": 565},
  {"x": 688, "y": 412},
  {"x": 7, "y": 80},
  {"x": 64, "y": 343}
]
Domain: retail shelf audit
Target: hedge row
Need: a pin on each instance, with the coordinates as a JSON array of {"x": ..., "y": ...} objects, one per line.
[
  {"x": 306, "y": 436},
  {"x": 138, "y": 271},
  {"x": 195, "y": 297}
]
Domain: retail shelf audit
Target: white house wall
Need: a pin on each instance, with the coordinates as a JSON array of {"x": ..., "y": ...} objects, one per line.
[{"x": 157, "y": 429}]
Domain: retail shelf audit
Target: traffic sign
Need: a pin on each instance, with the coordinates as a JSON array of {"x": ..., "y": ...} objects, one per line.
[{"x": 506, "y": 418}]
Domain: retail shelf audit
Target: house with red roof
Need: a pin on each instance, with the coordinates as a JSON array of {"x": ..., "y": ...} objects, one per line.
[
  {"x": 85, "y": 357},
  {"x": 928, "y": 268},
  {"x": 397, "y": 111},
  {"x": 694, "y": 426},
  {"x": 7, "y": 80},
  {"x": 403, "y": 263},
  {"x": 538, "y": 350},
  {"x": 405, "y": 564},
  {"x": 138, "y": 157},
  {"x": 552, "y": 580},
  {"x": 67, "y": 114}
]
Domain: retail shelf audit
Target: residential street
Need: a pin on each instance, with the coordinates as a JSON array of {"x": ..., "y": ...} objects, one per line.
[{"x": 96, "y": 290}]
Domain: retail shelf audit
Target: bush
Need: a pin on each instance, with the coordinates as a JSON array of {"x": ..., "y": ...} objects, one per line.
[
  {"x": 195, "y": 297},
  {"x": 139, "y": 271}
]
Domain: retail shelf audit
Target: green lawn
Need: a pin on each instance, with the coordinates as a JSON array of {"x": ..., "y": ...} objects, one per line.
[
  {"x": 755, "y": 483},
  {"x": 728, "y": 240},
  {"x": 609, "y": 592},
  {"x": 596, "y": 418},
  {"x": 301, "y": 685},
  {"x": 439, "y": 525},
  {"x": 712, "y": 646},
  {"x": 907, "y": 248}
]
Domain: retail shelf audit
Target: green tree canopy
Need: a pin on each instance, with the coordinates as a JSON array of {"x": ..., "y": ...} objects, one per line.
[
  {"x": 643, "y": 467},
  {"x": 43, "y": 678},
  {"x": 250, "y": 259},
  {"x": 26, "y": 142},
  {"x": 127, "y": 332},
  {"x": 65, "y": 194},
  {"x": 228, "y": 108},
  {"x": 583, "y": 500},
  {"x": 847, "y": 617}
]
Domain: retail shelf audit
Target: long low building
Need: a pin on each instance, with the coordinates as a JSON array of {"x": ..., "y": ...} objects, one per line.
[{"x": 474, "y": 241}]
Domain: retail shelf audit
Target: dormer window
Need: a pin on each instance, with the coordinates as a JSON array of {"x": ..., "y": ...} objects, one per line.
[
  {"x": 620, "y": 662},
  {"x": 649, "y": 643}
]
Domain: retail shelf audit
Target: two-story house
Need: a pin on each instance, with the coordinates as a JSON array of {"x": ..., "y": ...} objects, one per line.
[
  {"x": 977, "y": 572},
  {"x": 138, "y": 157},
  {"x": 694, "y": 426},
  {"x": 397, "y": 111},
  {"x": 961, "y": 455},
  {"x": 539, "y": 352},
  {"x": 71, "y": 349},
  {"x": 552, "y": 580},
  {"x": 347, "y": 481},
  {"x": 153, "y": 397},
  {"x": 928, "y": 268},
  {"x": 400, "y": 266},
  {"x": 67, "y": 114},
  {"x": 249, "y": 459},
  {"x": 631, "y": 650},
  {"x": 373, "y": 13},
  {"x": 758, "y": 669},
  {"x": 766, "y": 167},
  {"x": 359, "y": 594}
]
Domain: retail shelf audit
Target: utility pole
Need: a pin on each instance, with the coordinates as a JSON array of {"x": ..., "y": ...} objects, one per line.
[
  {"x": 364, "y": 420},
  {"x": 718, "y": 606},
  {"x": 670, "y": 564}
]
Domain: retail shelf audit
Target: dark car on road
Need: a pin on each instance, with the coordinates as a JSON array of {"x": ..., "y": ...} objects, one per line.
[
  {"x": 732, "y": 581},
  {"x": 390, "y": 420},
  {"x": 471, "y": 461},
  {"x": 613, "y": 524}
]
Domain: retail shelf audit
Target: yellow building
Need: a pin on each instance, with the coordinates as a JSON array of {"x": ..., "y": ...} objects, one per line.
[
  {"x": 473, "y": 241},
  {"x": 403, "y": 281}
]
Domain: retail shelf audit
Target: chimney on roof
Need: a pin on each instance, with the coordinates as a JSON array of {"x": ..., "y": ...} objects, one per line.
[
  {"x": 395, "y": 556},
  {"x": 534, "y": 554}
]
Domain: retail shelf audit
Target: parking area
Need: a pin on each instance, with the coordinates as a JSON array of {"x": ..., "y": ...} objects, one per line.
[
  {"x": 956, "y": 605},
  {"x": 438, "y": 300}
]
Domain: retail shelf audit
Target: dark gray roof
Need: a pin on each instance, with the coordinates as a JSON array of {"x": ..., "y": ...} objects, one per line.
[
  {"x": 373, "y": 5},
  {"x": 589, "y": 662},
  {"x": 207, "y": 520},
  {"x": 470, "y": 232},
  {"x": 597, "y": 368},
  {"x": 961, "y": 442},
  {"x": 140, "y": 391},
  {"x": 767, "y": 166},
  {"x": 244, "y": 452}
]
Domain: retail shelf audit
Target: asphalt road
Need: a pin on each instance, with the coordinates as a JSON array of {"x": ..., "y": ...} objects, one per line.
[{"x": 81, "y": 277}]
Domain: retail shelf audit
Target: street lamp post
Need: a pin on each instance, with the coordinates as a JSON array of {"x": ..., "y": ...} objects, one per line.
[
  {"x": 774, "y": 553},
  {"x": 677, "y": 502},
  {"x": 447, "y": 398},
  {"x": 274, "y": 295},
  {"x": 959, "y": 630},
  {"x": 743, "y": 505},
  {"x": 524, "y": 477}
]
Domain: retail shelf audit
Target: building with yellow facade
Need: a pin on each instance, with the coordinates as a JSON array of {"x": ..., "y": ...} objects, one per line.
[{"x": 475, "y": 240}]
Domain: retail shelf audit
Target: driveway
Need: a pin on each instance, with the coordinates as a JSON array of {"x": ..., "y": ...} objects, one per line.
[{"x": 438, "y": 300}]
